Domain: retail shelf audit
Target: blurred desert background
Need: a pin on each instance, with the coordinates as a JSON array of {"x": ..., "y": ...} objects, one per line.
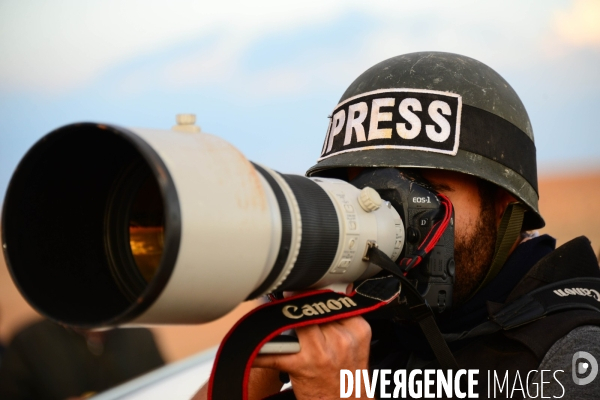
[{"x": 569, "y": 203}]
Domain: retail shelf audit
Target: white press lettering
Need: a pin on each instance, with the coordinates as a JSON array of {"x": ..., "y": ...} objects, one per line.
[
  {"x": 434, "y": 108},
  {"x": 355, "y": 123},
  {"x": 410, "y": 117},
  {"x": 377, "y": 116}
]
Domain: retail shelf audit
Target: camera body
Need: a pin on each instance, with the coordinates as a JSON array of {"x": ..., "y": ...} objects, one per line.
[{"x": 420, "y": 209}]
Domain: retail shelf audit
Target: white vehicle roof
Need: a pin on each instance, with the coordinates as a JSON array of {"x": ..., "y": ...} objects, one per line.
[{"x": 179, "y": 380}]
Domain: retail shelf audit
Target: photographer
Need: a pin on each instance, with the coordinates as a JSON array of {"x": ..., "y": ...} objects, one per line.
[{"x": 459, "y": 127}]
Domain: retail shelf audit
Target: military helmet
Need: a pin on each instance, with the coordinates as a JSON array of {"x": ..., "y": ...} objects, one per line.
[{"x": 435, "y": 110}]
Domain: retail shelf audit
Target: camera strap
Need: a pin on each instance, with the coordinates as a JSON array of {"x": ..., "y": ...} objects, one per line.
[
  {"x": 418, "y": 310},
  {"x": 231, "y": 370}
]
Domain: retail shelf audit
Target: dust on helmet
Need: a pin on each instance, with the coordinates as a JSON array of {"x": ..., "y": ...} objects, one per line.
[{"x": 435, "y": 110}]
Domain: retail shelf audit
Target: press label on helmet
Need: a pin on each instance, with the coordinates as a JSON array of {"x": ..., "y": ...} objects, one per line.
[{"x": 414, "y": 119}]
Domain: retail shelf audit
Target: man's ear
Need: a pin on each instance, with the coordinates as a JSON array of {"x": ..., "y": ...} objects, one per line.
[{"x": 503, "y": 199}]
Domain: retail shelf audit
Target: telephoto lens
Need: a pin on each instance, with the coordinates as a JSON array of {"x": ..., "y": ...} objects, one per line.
[{"x": 106, "y": 226}]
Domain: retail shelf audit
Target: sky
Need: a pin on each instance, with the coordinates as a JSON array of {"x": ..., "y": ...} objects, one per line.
[{"x": 265, "y": 75}]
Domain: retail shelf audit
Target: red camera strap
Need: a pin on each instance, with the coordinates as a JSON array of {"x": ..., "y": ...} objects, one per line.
[{"x": 231, "y": 370}]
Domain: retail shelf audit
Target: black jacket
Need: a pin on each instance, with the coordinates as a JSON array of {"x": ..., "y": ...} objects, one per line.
[{"x": 520, "y": 349}]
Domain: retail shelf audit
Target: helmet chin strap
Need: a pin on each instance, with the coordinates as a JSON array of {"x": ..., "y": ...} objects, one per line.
[{"x": 508, "y": 232}]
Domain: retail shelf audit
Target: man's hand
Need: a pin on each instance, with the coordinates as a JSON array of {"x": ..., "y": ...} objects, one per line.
[
  {"x": 315, "y": 370},
  {"x": 325, "y": 350}
]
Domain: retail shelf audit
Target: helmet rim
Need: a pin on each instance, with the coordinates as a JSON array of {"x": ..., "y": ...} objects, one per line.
[{"x": 464, "y": 162}]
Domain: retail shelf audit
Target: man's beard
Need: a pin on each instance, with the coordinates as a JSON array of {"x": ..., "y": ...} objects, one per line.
[{"x": 473, "y": 252}]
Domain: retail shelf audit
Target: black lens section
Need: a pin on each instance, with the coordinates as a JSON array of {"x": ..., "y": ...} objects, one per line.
[
  {"x": 89, "y": 215},
  {"x": 320, "y": 233},
  {"x": 54, "y": 224}
]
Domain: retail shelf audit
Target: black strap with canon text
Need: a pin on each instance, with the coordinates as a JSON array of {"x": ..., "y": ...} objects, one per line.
[
  {"x": 230, "y": 374},
  {"x": 229, "y": 377}
]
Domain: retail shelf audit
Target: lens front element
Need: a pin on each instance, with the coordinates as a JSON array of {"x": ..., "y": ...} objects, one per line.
[{"x": 147, "y": 229}]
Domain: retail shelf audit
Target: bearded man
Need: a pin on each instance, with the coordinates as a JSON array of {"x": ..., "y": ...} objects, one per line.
[{"x": 460, "y": 127}]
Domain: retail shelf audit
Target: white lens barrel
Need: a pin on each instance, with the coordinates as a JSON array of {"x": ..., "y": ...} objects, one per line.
[
  {"x": 230, "y": 227},
  {"x": 233, "y": 230}
]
